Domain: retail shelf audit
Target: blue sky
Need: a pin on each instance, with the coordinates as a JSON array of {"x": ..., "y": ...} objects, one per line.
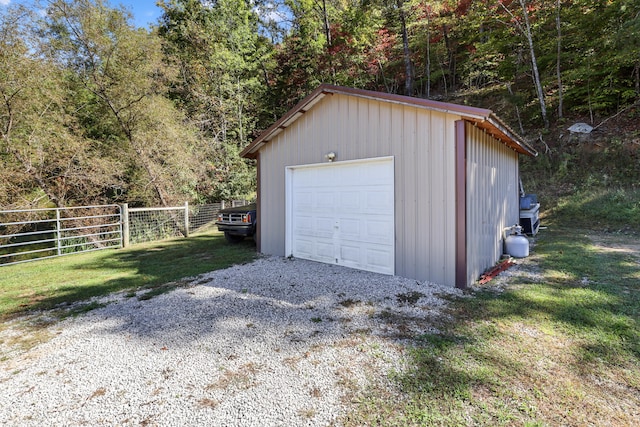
[{"x": 145, "y": 12}]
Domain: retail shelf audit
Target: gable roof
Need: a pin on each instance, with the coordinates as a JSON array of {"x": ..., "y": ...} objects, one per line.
[{"x": 483, "y": 118}]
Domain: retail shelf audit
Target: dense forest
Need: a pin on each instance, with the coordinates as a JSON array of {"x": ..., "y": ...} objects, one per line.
[{"x": 94, "y": 110}]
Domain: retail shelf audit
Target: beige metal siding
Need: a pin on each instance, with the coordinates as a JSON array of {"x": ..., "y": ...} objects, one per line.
[
  {"x": 422, "y": 143},
  {"x": 492, "y": 199}
]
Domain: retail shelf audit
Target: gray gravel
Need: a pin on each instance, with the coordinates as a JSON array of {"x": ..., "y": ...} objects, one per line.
[{"x": 277, "y": 342}]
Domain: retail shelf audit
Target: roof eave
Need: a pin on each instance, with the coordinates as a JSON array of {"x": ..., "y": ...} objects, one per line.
[
  {"x": 484, "y": 118},
  {"x": 495, "y": 127},
  {"x": 513, "y": 140},
  {"x": 251, "y": 151}
]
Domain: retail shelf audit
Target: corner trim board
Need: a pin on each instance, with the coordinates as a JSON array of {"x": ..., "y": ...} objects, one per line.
[{"x": 461, "y": 204}]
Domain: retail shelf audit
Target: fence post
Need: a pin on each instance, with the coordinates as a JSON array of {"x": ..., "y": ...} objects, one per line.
[
  {"x": 124, "y": 219},
  {"x": 58, "y": 241},
  {"x": 186, "y": 219}
]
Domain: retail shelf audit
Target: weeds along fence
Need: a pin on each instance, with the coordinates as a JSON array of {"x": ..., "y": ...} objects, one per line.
[{"x": 31, "y": 234}]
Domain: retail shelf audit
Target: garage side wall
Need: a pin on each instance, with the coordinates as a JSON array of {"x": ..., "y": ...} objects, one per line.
[
  {"x": 492, "y": 199},
  {"x": 422, "y": 144}
]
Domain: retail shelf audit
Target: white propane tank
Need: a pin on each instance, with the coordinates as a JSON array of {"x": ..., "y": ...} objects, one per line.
[{"x": 516, "y": 244}]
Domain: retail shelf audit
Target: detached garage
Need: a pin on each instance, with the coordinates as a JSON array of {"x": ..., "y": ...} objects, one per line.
[{"x": 386, "y": 183}]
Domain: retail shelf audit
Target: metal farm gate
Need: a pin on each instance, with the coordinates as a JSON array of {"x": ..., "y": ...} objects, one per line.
[{"x": 29, "y": 234}]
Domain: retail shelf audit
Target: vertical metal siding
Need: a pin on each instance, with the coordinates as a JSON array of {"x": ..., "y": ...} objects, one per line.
[
  {"x": 410, "y": 206},
  {"x": 492, "y": 199},
  {"x": 422, "y": 142},
  {"x": 423, "y": 227}
]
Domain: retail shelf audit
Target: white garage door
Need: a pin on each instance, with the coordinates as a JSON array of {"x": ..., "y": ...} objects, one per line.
[{"x": 343, "y": 213}]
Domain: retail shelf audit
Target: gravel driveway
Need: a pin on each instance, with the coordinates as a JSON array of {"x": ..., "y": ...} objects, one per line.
[{"x": 277, "y": 342}]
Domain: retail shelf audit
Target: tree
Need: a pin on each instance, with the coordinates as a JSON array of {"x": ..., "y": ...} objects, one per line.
[
  {"x": 406, "y": 53},
  {"x": 599, "y": 76},
  {"x": 93, "y": 110},
  {"x": 444, "y": 32},
  {"x": 43, "y": 154},
  {"x": 523, "y": 24},
  {"x": 559, "y": 59},
  {"x": 299, "y": 58},
  {"x": 222, "y": 62},
  {"x": 119, "y": 73}
]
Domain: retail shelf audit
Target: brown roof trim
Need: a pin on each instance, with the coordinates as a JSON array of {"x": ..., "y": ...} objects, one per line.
[
  {"x": 481, "y": 117},
  {"x": 283, "y": 122}
]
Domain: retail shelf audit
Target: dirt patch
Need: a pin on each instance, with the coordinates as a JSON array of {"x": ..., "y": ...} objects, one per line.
[
  {"x": 527, "y": 270},
  {"x": 616, "y": 243}
]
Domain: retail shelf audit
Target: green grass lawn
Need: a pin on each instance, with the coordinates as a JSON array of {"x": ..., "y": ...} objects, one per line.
[
  {"x": 47, "y": 284},
  {"x": 559, "y": 345},
  {"x": 607, "y": 209}
]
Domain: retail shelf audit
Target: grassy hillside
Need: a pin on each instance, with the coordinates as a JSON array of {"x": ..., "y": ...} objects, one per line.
[
  {"x": 590, "y": 181},
  {"x": 583, "y": 180}
]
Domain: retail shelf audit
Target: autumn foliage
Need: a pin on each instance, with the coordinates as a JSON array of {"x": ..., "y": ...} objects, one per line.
[{"x": 94, "y": 110}]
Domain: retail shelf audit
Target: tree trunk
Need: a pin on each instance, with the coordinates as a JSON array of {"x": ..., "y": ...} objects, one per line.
[
  {"x": 558, "y": 60},
  {"x": 517, "y": 109},
  {"x": 636, "y": 69},
  {"x": 408, "y": 69},
  {"x": 325, "y": 19},
  {"x": 534, "y": 65},
  {"x": 447, "y": 45},
  {"x": 240, "y": 115},
  {"x": 327, "y": 34},
  {"x": 427, "y": 67},
  {"x": 152, "y": 177}
]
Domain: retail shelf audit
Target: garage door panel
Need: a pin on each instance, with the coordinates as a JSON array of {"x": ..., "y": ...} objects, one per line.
[
  {"x": 303, "y": 247},
  {"x": 379, "y": 199},
  {"x": 311, "y": 227},
  {"x": 350, "y": 254},
  {"x": 379, "y": 260},
  {"x": 349, "y": 228},
  {"x": 324, "y": 201},
  {"x": 377, "y": 174},
  {"x": 303, "y": 201},
  {"x": 349, "y": 200},
  {"x": 303, "y": 225},
  {"x": 315, "y": 249},
  {"x": 379, "y": 231},
  {"x": 348, "y": 214},
  {"x": 325, "y": 251},
  {"x": 348, "y": 175},
  {"x": 365, "y": 257},
  {"x": 306, "y": 178},
  {"x": 324, "y": 227},
  {"x": 367, "y": 199}
]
